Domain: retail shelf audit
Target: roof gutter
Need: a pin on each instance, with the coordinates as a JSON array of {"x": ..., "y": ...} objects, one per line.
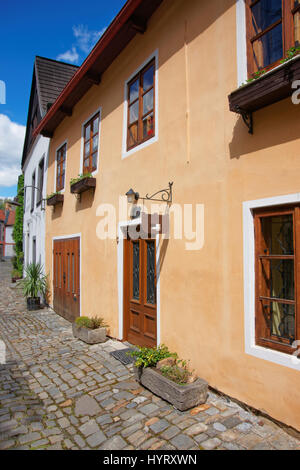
[{"x": 119, "y": 21}]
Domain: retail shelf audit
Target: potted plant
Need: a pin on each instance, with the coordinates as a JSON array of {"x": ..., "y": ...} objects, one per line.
[
  {"x": 15, "y": 275},
  {"x": 90, "y": 330},
  {"x": 34, "y": 284},
  {"x": 169, "y": 378},
  {"x": 55, "y": 198},
  {"x": 82, "y": 183}
]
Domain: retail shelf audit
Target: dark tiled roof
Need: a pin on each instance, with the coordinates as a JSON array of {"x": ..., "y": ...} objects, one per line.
[{"x": 52, "y": 77}]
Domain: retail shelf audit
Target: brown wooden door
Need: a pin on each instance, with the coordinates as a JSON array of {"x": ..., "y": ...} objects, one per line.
[
  {"x": 140, "y": 323},
  {"x": 66, "y": 278}
]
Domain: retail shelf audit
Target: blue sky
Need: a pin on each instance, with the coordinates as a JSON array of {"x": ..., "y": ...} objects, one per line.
[{"x": 63, "y": 30}]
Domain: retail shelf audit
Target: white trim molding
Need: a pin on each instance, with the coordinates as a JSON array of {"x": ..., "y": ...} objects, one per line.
[
  {"x": 251, "y": 348},
  {"x": 126, "y": 153},
  {"x": 65, "y": 142},
  {"x": 122, "y": 229},
  {"x": 67, "y": 237},
  {"x": 241, "y": 42},
  {"x": 99, "y": 110}
]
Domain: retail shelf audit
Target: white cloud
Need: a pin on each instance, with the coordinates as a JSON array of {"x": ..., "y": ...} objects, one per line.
[
  {"x": 69, "y": 56},
  {"x": 84, "y": 43},
  {"x": 11, "y": 146}
]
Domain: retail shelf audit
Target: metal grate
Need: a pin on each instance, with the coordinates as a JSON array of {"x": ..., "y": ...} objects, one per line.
[{"x": 121, "y": 356}]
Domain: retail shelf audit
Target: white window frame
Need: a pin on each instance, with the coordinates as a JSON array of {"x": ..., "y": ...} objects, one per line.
[
  {"x": 55, "y": 166},
  {"x": 251, "y": 347},
  {"x": 126, "y": 153},
  {"x": 99, "y": 110}
]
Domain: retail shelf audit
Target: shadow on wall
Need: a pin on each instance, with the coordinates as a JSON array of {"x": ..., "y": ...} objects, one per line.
[{"x": 274, "y": 125}]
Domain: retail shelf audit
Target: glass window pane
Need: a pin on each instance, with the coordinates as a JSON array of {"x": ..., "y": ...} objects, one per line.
[
  {"x": 282, "y": 320},
  {"x": 87, "y": 149},
  {"x": 95, "y": 143},
  {"x": 68, "y": 275},
  {"x": 282, "y": 284},
  {"x": 269, "y": 48},
  {"x": 62, "y": 180},
  {"x": 148, "y": 102},
  {"x": 148, "y": 78},
  {"x": 265, "y": 13},
  {"x": 134, "y": 112},
  {"x": 132, "y": 135},
  {"x": 136, "y": 271},
  {"x": 151, "y": 290},
  {"x": 86, "y": 163},
  {"x": 278, "y": 235},
  {"x": 87, "y": 132},
  {"x": 58, "y": 170},
  {"x": 134, "y": 91},
  {"x": 94, "y": 160},
  {"x": 96, "y": 125},
  {"x": 73, "y": 273},
  {"x": 148, "y": 126}
]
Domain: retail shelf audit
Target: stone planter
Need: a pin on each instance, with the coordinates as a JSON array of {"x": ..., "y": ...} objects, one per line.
[
  {"x": 182, "y": 397},
  {"x": 89, "y": 336},
  {"x": 83, "y": 185},
  {"x": 56, "y": 199}
]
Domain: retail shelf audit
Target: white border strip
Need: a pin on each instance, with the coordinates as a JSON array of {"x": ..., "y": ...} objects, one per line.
[
  {"x": 120, "y": 261},
  {"x": 126, "y": 153},
  {"x": 67, "y": 237},
  {"x": 241, "y": 42},
  {"x": 99, "y": 110},
  {"x": 249, "y": 282}
]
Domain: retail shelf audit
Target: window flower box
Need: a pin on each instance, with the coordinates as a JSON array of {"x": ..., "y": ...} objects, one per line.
[
  {"x": 55, "y": 199},
  {"x": 182, "y": 397},
  {"x": 82, "y": 185}
]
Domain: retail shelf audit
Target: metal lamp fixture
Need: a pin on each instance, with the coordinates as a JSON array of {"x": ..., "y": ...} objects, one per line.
[
  {"x": 132, "y": 196},
  {"x": 165, "y": 195}
]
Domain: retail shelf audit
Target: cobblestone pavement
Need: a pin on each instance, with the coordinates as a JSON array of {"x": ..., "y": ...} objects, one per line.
[{"x": 59, "y": 393}]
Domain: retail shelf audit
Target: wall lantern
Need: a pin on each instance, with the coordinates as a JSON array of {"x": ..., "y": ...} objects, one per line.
[{"x": 165, "y": 196}]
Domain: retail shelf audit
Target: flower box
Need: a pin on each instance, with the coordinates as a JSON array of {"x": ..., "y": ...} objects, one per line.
[
  {"x": 182, "y": 397},
  {"x": 83, "y": 185},
  {"x": 88, "y": 335},
  {"x": 55, "y": 199}
]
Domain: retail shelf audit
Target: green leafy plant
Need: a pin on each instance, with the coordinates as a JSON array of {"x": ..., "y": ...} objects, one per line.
[
  {"x": 149, "y": 357},
  {"x": 16, "y": 274},
  {"x": 35, "y": 281},
  {"x": 92, "y": 323},
  {"x": 80, "y": 177},
  {"x": 178, "y": 373},
  {"x": 52, "y": 195},
  {"x": 290, "y": 53},
  {"x": 256, "y": 75}
]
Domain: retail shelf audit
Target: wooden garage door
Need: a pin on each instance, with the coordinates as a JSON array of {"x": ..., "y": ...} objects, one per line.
[
  {"x": 140, "y": 310},
  {"x": 66, "y": 278}
]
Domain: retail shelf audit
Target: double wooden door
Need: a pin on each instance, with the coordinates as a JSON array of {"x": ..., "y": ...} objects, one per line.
[
  {"x": 140, "y": 310},
  {"x": 66, "y": 278}
]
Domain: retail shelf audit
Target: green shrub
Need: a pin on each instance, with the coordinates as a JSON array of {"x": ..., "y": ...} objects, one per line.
[
  {"x": 49, "y": 196},
  {"x": 149, "y": 357},
  {"x": 178, "y": 373},
  {"x": 80, "y": 177},
  {"x": 17, "y": 274},
  {"x": 92, "y": 323},
  {"x": 35, "y": 281}
]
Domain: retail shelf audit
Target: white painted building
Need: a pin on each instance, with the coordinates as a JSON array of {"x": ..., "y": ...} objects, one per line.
[{"x": 49, "y": 79}]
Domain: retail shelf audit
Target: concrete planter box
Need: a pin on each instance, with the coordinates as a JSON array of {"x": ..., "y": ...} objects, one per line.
[
  {"x": 89, "y": 336},
  {"x": 182, "y": 397}
]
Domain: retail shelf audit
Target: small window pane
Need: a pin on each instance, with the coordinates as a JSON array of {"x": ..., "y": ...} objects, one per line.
[
  {"x": 58, "y": 170},
  {"x": 133, "y": 135},
  {"x": 87, "y": 149},
  {"x": 269, "y": 48},
  {"x": 86, "y": 163},
  {"x": 278, "y": 235},
  {"x": 96, "y": 125},
  {"x": 265, "y": 13},
  {"x": 62, "y": 181},
  {"x": 282, "y": 320},
  {"x": 136, "y": 271},
  {"x": 148, "y": 128},
  {"x": 282, "y": 285},
  {"x": 148, "y": 102},
  {"x": 87, "y": 132},
  {"x": 151, "y": 290},
  {"x": 134, "y": 112},
  {"x": 134, "y": 91},
  {"x": 95, "y": 143},
  {"x": 73, "y": 273},
  {"x": 94, "y": 162},
  {"x": 148, "y": 78}
]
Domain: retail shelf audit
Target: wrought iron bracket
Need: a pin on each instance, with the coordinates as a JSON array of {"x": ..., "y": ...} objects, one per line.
[
  {"x": 247, "y": 118},
  {"x": 166, "y": 195}
]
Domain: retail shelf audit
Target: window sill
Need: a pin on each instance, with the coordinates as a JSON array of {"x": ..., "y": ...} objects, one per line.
[{"x": 274, "y": 86}]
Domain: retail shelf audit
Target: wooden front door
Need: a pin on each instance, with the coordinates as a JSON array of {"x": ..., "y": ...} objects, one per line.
[
  {"x": 140, "y": 326},
  {"x": 66, "y": 278}
]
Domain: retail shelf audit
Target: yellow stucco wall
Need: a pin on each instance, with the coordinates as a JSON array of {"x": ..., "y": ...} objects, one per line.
[{"x": 216, "y": 163}]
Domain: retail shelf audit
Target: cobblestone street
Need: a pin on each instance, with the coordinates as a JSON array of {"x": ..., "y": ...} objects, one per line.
[{"x": 59, "y": 393}]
